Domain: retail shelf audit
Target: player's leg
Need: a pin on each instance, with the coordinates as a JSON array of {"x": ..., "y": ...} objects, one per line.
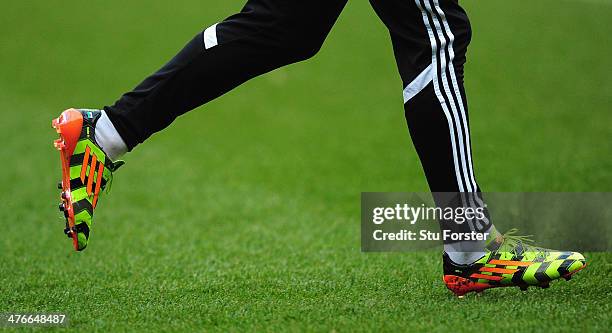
[
  {"x": 430, "y": 40},
  {"x": 430, "y": 63},
  {"x": 265, "y": 35}
]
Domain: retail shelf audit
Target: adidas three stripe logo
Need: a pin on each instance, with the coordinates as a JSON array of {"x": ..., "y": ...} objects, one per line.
[{"x": 92, "y": 169}]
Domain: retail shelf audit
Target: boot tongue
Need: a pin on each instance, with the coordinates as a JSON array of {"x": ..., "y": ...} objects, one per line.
[
  {"x": 496, "y": 239},
  {"x": 495, "y": 244}
]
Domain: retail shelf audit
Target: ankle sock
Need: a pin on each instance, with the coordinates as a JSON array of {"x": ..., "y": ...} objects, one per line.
[
  {"x": 467, "y": 252},
  {"x": 109, "y": 139}
]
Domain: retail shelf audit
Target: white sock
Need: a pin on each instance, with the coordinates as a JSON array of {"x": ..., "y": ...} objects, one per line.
[
  {"x": 467, "y": 252},
  {"x": 109, "y": 139}
]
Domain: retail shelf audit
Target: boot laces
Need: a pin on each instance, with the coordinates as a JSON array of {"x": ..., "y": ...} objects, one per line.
[{"x": 519, "y": 244}]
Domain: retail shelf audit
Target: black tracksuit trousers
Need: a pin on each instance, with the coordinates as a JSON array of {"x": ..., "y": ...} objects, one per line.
[{"x": 430, "y": 40}]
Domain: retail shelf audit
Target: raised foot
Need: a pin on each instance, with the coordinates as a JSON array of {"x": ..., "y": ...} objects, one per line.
[{"x": 68, "y": 126}]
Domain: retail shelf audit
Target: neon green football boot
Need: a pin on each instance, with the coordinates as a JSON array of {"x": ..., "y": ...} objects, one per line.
[
  {"x": 86, "y": 171},
  {"x": 510, "y": 261}
]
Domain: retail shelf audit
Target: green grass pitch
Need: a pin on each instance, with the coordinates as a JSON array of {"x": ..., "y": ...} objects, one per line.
[{"x": 244, "y": 215}]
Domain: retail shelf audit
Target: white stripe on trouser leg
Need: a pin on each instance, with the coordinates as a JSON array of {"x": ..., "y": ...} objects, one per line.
[
  {"x": 210, "y": 36},
  {"x": 418, "y": 84},
  {"x": 457, "y": 99},
  {"x": 434, "y": 64},
  {"x": 445, "y": 64},
  {"x": 451, "y": 51}
]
